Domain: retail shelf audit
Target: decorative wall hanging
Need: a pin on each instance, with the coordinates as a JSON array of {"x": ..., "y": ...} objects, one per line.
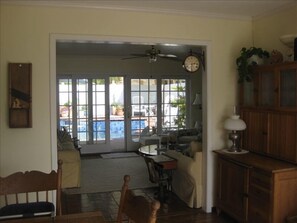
[{"x": 19, "y": 95}]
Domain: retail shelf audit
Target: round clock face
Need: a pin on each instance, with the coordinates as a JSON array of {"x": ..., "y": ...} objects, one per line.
[{"x": 191, "y": 63}]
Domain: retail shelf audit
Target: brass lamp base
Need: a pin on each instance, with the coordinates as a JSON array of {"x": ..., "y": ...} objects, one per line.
[{"x": 234, "y": 137}]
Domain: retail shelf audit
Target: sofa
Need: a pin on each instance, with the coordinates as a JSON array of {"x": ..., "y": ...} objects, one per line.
[
  {"x": 187, "y": 178},
  {"x": 185, "y": 136},
  {"x": 70, "y": 155}
]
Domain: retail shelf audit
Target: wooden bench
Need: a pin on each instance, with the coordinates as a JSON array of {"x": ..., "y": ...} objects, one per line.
[{"x": 28, "y": 194}]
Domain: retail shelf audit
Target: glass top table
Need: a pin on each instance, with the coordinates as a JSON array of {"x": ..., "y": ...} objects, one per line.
[{"x": 151, "y": 150}]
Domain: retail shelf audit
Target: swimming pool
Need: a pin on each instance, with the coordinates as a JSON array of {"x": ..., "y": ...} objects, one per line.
[{"x": 117, "y": 128}]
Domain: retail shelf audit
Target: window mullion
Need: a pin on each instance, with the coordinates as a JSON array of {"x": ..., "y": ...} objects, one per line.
[
  {"x": 74, "y": 107},
  {"x": 58, "y": 103},
  {"x": 159, "y": 104},
  {"x": 90, "y": 110},
  {"x": 107, "y": 81}
]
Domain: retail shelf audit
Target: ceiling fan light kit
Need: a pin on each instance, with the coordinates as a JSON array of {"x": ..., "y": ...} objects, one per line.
[{"x": 152, "y": 58}]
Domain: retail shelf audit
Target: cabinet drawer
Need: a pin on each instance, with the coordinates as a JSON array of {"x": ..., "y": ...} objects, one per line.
[
  {"x": 259, "y": 193},
  {"x": 258, "y": 211},
  {"x": 261, "y": 179}
]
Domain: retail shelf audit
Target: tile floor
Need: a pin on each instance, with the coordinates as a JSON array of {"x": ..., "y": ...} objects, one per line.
[{"x": 172, "y": 211}]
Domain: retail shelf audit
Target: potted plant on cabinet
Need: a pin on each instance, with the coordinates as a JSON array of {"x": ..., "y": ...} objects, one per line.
[{"x": 247, "y": 59}]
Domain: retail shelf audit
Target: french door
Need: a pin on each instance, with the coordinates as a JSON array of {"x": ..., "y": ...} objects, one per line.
[
  {"x": 155, "y": 106},
  {"x": 109, "y": 114},
  {"x": 143, "y": 107},
  {"x": 91, "y": 109}
]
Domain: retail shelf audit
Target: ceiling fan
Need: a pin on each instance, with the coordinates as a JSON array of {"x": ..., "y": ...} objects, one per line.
[{"x": 152, "y": 54}]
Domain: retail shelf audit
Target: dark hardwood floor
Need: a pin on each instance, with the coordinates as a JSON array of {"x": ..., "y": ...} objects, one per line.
[{"x": 172, "y": 211}]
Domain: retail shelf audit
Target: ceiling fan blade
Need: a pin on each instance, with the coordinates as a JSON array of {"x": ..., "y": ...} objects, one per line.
[
  {"x": 128, "y": 58},
  {"x": 167, "y": 55},
  {"x": 172, "y": 58},
  {"x": 138, "y": 55},
  {"x": 134, "y": 55}
]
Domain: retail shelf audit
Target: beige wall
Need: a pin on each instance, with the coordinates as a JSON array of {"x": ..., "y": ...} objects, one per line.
[
  {"x": 269, "y": 29},
  {"x": 25, "y": 37}
]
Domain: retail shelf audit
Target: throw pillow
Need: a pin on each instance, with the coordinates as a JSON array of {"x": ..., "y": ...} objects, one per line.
[
  {"x": 194, "y": 147},
  {"x": 64, "y": 140},
  {"x": 145, "y": 131}
]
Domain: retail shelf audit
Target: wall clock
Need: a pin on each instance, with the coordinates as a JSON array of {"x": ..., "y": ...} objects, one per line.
[{"x": 191, "y": 63}]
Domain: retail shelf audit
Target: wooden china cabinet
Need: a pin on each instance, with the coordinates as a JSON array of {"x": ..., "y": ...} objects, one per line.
[
  {"x": 269, "y": 108},
  {"x": 261, "y": 185}
]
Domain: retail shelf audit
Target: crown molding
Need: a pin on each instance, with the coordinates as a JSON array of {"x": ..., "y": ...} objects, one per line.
[{"x": 96, "y": 5}]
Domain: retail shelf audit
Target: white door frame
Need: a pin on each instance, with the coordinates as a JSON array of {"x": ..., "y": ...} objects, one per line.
[{"x": 208, "y": 158}]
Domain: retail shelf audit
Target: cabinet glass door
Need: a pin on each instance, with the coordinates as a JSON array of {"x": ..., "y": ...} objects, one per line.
[
  {"x": 288, "y": 88},
  {"x": 248, "y": 94},
  {"x": 266, "y": 91}
]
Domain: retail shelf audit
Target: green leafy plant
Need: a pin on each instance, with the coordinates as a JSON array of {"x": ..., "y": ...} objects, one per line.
[
  {"x": 119, "y": 107},
  {"x": 245, "y": 64},
  {"x": 180, "y": 103},
  {"x": 115, "y": 104}
]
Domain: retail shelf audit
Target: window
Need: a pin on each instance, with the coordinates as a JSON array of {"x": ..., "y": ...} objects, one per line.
[{"x": 173, "y": 103}]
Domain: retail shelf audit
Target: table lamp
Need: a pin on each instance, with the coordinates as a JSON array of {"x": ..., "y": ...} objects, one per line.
[
  {"x": 234, "y": 124},
  {"x": 197, "y": 101}
]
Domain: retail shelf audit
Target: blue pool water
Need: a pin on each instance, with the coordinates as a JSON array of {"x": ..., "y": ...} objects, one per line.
[{"x": 117, "y": 128}]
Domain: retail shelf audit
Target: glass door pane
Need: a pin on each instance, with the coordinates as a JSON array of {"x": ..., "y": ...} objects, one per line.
[
  {"x": 98, "y": 111},
  {"x": 82, "y": 102},
  {"x": 143, "y": 106},
  {"x": 267, "y": 88},
  {"x": 248, "y": 93},
  {"x": 117, "y": 115},
  {"x": 173, "y": 104},
  {"x": 288, "y": 88},
  {"x": 64, "y": 101}
]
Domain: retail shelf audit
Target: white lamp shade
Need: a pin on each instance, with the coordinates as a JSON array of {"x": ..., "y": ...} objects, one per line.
[
  {"x": 234, "y": 123},
  {"x": 196, "y": 125},
  {"x": 197, "y": 100},
  {"x": 288, "y": 40}
]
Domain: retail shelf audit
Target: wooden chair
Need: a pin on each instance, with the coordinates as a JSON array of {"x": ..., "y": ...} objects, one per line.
[
  {"x": 156, "y": 176},
  {"x": 137, "y": 208},
  {"x": 27, "y": 194}
]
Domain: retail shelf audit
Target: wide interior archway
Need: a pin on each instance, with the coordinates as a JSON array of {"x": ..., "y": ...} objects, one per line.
[{"x": 142, "y": 42}]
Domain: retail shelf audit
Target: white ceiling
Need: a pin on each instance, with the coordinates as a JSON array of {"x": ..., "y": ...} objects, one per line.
[
  {"x": 245, "y": 9},
  {"x": 123, "y": 50}
]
